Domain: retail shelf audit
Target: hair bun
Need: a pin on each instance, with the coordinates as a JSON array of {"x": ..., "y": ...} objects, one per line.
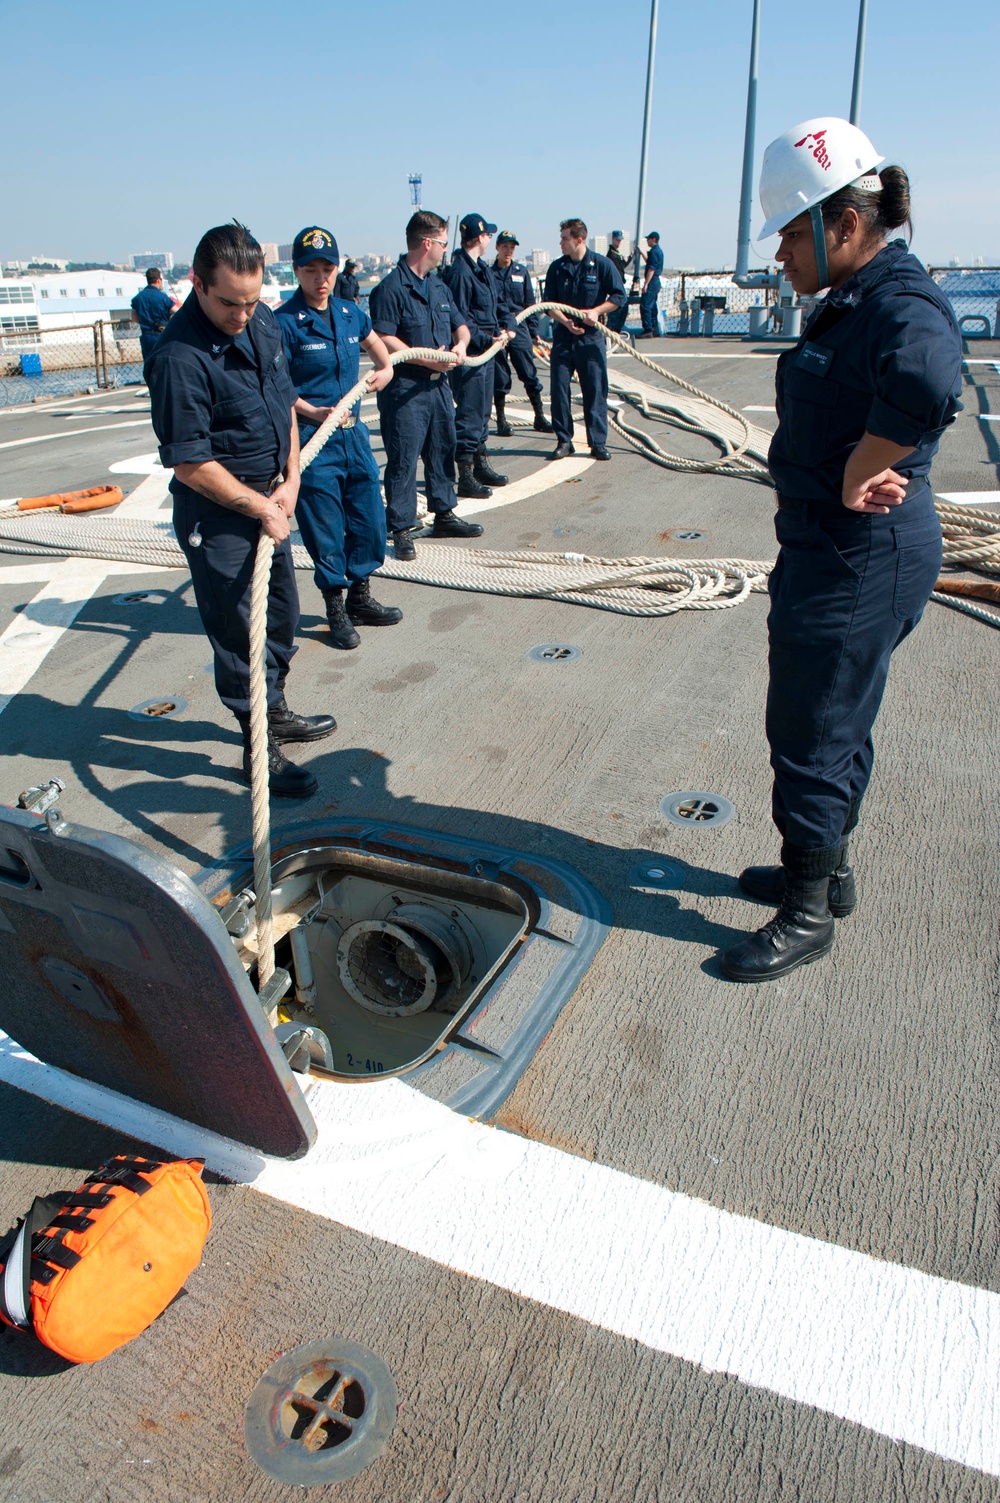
[{"x": 894, "y": 208}]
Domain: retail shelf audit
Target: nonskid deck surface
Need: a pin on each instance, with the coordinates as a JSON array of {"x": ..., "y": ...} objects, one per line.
[{"x": 852, "y": 1103}]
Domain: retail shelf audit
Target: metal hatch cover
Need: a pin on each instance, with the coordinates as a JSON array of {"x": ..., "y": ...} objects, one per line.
[{"x": 118, "y": 970}]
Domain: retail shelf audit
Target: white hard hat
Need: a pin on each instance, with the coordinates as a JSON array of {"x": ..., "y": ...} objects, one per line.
[{"x": 810, "y": 162}]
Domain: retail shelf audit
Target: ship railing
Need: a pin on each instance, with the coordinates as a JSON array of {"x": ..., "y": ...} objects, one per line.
[
  {"x": 41, "y": 361},
  {"x": 974, "y": 293}
]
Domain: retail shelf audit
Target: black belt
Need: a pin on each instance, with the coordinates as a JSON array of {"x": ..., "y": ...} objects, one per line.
[{"x": 265, "y": 484}]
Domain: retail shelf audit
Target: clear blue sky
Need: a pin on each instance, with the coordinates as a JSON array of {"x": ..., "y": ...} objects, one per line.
[{"x": 133, "y": 127}]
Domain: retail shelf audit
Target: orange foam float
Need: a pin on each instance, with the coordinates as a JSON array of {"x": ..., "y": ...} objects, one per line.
[{"x": 95, "y": 499}]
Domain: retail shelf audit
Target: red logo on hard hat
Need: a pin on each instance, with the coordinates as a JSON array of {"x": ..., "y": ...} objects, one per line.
[{"x": 819, "y": 152}]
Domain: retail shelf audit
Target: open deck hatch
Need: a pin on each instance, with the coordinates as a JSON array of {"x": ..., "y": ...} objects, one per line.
[{"x": 409, "y": 952}]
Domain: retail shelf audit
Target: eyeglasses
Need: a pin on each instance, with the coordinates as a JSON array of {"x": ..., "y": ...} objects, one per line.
[{"x": 438, "y": 242}]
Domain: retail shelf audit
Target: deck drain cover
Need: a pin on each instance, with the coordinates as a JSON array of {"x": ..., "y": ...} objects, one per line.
[
  {"x": 564, "y": 532},
  {"x": 321, "y": 1413},
  {"x": 555, "y": 652},
  {"x": 656, "y": 876},
  {"x": 688, "y": 535},
  {"x": 696, "y": 808},
  {"x": 159, "y": 709},
  {"x": 141, "y": 597}
]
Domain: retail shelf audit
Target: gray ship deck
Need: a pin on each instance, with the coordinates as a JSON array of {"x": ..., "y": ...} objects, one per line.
[{"x": 853, "y": 1102}]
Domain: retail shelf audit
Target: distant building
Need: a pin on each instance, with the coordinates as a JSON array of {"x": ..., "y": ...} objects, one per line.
[
  {"x": 270, "y": 249},
  {"x": 598, "y": 244},
  {"x": 285, "y": 252},
  {"x": 539, "y": 261},
  {"x": 625, "y": 248},
  {"x": 65, "y": 302},
  {"x": 16, "y": 268},
  {"x": 143, "y": 260}
]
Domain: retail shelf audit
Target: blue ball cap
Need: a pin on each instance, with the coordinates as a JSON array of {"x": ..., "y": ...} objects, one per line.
[
  {"x": 314, "y": 244},
  {"x": 618, "y": 234},
  {"x": 473, "y": 225},
  {"x": 652, "y": 234},
  {"x": 507, "y": 237}
]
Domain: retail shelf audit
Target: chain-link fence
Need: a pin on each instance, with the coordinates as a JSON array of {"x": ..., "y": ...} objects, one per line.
[
  {"x": 38, "y": 361},
  {"x": 974, "y": 293}
]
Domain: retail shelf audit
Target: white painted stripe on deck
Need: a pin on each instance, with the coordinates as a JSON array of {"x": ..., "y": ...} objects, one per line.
[
  {"x": 668, "y": 355},
  {"x": 988, "y": 417},
  {"x": 57, "y": 401},
  {"x": 970, "y": 498},
  {"x": 48, "y": 438},
  {"x": 70, "y": 416},
  {"x": 137, "y": 464},
  {"x": 906, "y": 1355},
  {"x": 149, "y": 495},
  {"x": 551, "y": 473},
  {"x": 18, "y": 574},
  {"x": 36, "y": 629}
]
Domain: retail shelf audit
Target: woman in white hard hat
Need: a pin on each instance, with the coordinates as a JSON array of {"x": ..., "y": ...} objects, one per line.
[{"x": 862, "y": 401}]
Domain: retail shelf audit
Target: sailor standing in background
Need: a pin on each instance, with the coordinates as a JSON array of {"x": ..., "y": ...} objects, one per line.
[
  {"x": 584, "y": 280},
  {"x": 221, "y": 406},
  {"x": 413, "y": 309},
  {"x": 151, "y": 309},
  {"x": 862, "y": 401},
  {"x": 618, "y": 317},
  {"x": 347, "y": 288},
  {"x": 480, "y": 299},
  {"x": 649, "y": 304},
  {"x": 340, "y": 513},
  {"x": 514, "y": 280}
]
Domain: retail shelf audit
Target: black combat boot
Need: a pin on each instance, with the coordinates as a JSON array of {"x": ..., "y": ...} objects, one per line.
[
  {"x": 285, "y": 780},
  {"x": 541, "y": 423},
  {"x": 504, "y": 430},
  {"x": 468, "y": 486},
  {"x": 284, "y": 725},
  {"x": 562, "y": 450},
  {"x": 448, "y": 524},
  {"x": 800, "y": 932},
  {"x": 402, "y": 542},
  {"x": 364, "y": 610},
  {"x": 342, "y": 633},
  {"x": 767, "y": 884},
  {"x": 484, "y": 471}
]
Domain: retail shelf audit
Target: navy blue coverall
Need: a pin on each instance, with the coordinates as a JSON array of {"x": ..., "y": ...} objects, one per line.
[
  {"x": 480, "y": 298},
  {"x": 215, "y": 397},
  {"x": 339, "y": 512},
  {"x": 882, "y": 354},
  {"x": 416, "y": 410},
  {"x": 152, "y": 308},
  {"x": 346, "y": 286},
  {"x": 649, "y": 302},
  {"x": 518, "y": 292},
  {"x": 581, "y": 284},
  {"x": 619, "y": 317}
]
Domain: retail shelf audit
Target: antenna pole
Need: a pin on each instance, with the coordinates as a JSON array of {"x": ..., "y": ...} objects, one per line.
[
  {"x": 644, "y": 159},
  {"x": 859, "y": 62},
  {"x": 746, "y": 188}
]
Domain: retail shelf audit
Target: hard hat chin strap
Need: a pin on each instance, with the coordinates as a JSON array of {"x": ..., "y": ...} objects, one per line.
[{"x": 819, "y": 241}]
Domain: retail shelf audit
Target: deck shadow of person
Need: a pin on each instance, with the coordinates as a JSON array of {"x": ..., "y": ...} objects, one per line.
[
  {"x": 356, "y": 780},
  {"x": 94, "y": 737}
]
